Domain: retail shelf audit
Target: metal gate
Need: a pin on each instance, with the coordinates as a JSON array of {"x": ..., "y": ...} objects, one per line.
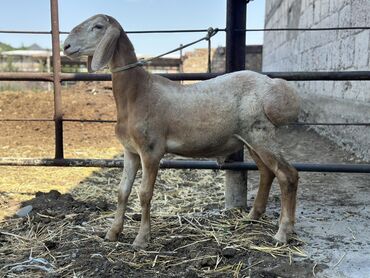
[{"x": 235, "y": 49}]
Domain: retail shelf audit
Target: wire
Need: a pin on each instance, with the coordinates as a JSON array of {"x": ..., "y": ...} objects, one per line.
[
  {"x": 203, "y": 30},
  {"x": 127, "y": 32}
]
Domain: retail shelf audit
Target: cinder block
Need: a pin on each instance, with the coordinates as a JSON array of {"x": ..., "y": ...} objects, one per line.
[
  {"x": 316, "y": 12},
  {"x": 360, "y": 14},
  {"x": 324, "y": 9},
  {"x": 335, "y": 5},
  {"x": 335, "y": 56},
  {"x": 344, "y": 20},
  {"x": 361, "y": 60},
  {"x": 346, "y": 52}
]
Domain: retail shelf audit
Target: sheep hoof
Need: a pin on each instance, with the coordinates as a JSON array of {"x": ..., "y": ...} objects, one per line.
[
  {"x": 281, "y": 237},
  {"x": 112, "y": 236},
  {"x": 141, "y": 242},
  {"x": 254, "y": 215},
  {"x": 140, "y": 245}
]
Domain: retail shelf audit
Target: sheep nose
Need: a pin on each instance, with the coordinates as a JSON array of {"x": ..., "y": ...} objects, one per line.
[{"x": 66, "y": 46}]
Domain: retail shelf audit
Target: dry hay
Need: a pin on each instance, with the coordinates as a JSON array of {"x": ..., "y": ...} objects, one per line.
[{"x": 192, "y": 235}]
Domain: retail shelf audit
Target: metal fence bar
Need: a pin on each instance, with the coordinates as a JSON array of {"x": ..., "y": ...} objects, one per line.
[
  {"x": 306, "y": 29},
  {"x": 64, "y": 120},
  {"x": 290, "y": 76},
  {"x": 114, "y": 121},
  {"x": 25, "y": 32},
  {"x": 27, "y": 120},
  {"x": 57, "y": 77},
  {"x": 57, "y": 69},
  {"x": 183, "y": 164},
  {"x": 89, "y": 121},
  {"x": 329, "y": 124},
  {"x": 107, "y": 77},
  {"x": 323, "y": 75},
  {"x": 26, "y": 76}
]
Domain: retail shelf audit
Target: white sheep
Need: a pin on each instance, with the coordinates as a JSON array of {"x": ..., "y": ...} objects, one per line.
[{"x": 213, "y": 118}]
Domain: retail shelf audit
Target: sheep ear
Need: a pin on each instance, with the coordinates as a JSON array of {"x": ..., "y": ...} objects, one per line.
[{"x": 105, "y": 49}]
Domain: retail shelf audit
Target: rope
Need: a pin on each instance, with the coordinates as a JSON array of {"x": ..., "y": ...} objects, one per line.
[{"x": 210, "y": 33}]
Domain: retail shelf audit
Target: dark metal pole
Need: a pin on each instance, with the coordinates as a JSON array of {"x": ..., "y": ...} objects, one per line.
[
  {"x": 57, "y": 81},
  {"x": 235, "y": 43},
  {"x": 235, "y": 38},
  {"x": 182, "y": 164},
  {"x": 290, "y": 76},
  {"x": 236, "y": 15}
]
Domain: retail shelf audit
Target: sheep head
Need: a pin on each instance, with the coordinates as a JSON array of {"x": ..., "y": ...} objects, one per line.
[{"x": 96, "y": 37}]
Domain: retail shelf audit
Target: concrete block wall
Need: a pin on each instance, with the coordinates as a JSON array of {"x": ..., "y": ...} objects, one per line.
[{"x": 325, "y": 101}]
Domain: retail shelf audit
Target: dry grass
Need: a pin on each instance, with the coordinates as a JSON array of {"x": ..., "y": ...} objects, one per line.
[{"x": 190, "y": 231}]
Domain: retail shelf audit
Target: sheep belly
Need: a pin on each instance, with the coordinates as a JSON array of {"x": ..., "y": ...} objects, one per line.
[
  {"x": 204, "y": 129},
  {"x": 213, "y": 148}
]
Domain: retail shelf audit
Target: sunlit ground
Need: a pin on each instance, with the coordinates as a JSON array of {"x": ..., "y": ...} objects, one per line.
[{"x": 36, "y": 140}]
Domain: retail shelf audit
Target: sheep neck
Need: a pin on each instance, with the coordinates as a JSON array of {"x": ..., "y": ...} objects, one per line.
[
  {"x": 126, "y": 84},
  {"x": 124, "y": 53}
]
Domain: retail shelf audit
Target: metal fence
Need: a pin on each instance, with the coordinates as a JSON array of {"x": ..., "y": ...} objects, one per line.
[{"x": 235, "y": 53}]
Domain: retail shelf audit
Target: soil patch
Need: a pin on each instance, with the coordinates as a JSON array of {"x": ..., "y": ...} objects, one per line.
[{"x": 68, "y": 234}]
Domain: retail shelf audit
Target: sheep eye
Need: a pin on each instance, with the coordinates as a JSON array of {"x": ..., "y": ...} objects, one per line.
[{"x": 98, "y": 26}]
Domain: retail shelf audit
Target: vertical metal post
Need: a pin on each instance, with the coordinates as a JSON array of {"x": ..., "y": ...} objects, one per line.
[
  {"x": 57, "y": 83},
  {"x": 236, "y": 19},
  {"x": 181, "y": 69},
  {"x": 209, "y": 62},
  {"x": 236, "y": 181}
]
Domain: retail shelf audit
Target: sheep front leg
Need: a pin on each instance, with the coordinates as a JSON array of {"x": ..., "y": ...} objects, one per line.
[
  {"x": 131, "y": 165},
  {"x": 150, "y": 166}
]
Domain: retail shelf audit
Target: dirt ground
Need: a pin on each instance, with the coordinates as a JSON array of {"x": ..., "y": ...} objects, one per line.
[
  {"x": 36, "y": 139},
  {"x": 81, "y": 101},
  {"x": 192, "y": 235}
]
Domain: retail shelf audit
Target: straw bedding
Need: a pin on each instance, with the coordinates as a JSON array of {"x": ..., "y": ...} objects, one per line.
[{"x": 192, "y": 236}]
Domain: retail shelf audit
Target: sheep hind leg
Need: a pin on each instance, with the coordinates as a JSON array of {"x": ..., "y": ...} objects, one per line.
[
  {"x": 266, "y": 179},
  {"x": 288, "y": 180}
]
